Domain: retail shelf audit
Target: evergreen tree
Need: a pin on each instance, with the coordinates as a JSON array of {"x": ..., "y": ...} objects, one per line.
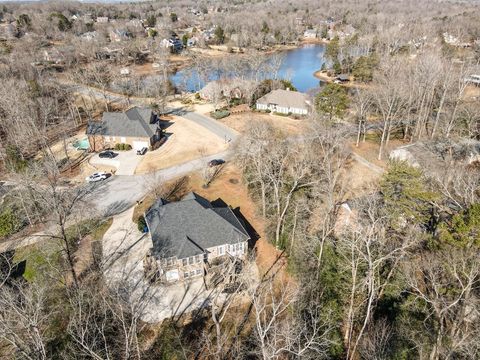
[
  {"x": 332, "y": 100},
  {"x": 219, "y": 35},
  {"x": 405, "y": 193}
]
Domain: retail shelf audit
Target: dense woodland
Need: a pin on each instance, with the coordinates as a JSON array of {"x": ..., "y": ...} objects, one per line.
[{"x": 388, "y": 272}]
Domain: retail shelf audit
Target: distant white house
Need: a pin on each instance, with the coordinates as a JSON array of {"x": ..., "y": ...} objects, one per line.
[
  {"x": 102, "y": 19},
  {"x": 172, "y": 43},
  {"x": 89, "y": 36},
  {"x": 285, "y": 102},
  {"x": 454, "y": 41},
  {"x": 310, "y": 34}
]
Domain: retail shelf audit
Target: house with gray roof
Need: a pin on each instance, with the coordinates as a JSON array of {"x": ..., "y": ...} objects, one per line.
[
  {"x": 139, "y": 127},
  {"x": 190, "y": 234},
  {"x": 285, "y": 102}
]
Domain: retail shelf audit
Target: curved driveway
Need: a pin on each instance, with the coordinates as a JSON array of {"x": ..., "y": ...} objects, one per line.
[{"x": 122, "y": 191}]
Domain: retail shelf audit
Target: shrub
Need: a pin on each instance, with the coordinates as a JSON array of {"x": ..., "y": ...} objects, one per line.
[
  {"x": 141, "y": 223},
  {"x": 9, "y": 222},
  {"x": 14, "y": 160},
  {"x": 281, "y": 114},
  {"x": 197, "y": 96},
  {"x": 123, "y": 147},
  {"x": 219, "y": 114}
]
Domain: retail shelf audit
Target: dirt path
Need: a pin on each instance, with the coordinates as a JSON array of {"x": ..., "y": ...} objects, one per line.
[{"x": 368, "y": 164}]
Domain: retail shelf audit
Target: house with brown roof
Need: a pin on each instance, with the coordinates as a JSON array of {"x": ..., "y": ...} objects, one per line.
[{"x": 285, "y": 102}]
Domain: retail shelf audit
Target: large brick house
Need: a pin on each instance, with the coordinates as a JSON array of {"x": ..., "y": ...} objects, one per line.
[
  {"x": 188, "y": 236},
  {"x": 138, "y": 127}
]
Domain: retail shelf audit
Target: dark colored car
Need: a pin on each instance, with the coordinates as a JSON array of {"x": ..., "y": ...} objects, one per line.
[
  {"x": 216, "y": 162},
  {"x": 107, "y": 154},
  {"x": 142, "y": 151}
]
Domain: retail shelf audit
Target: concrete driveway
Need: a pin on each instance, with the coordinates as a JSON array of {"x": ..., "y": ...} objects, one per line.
[
  {"x": 120, "y": 192},
  {"x": 125, "y": 162}
]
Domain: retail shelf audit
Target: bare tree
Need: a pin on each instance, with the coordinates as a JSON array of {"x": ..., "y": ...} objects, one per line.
[
  {"x": 23, "y": 320},
  {"x": 362, "y": 102},
  {"x": 57, "y": 204},
  {"x": 278, "y": 332},
  {"x": 391, "y": 100},
  {"x": 450, "y": 314}
]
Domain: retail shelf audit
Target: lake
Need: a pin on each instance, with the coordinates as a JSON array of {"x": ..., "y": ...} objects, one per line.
[{"x": 299, "y": 65}]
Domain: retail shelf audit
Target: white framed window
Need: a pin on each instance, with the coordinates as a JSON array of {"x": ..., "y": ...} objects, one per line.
[
  {"x": 221, "y": 250},
  {"x": 186, "y": 274},
  {"x": 199, "y": 258},
  {"x": 198, "y": 272},
  {"x": 184, "y": 262},
  {"x": 191, "y": 260}
]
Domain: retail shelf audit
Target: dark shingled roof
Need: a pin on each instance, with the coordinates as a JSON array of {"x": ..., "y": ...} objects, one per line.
[
  {"x": 190, "y": 226},
  {"x": 135, "y": 122}
]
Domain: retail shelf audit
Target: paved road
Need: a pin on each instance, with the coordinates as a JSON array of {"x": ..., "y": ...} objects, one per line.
[
  {"x": 121, "y": 192},
  {"x": 214, "y": 126}
]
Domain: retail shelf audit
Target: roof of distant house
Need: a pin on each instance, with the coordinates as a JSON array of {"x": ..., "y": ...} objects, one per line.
[
  {"x": 287, "y": 98},
  {"x": 134, "y": 122},
  {"x": 343, "y": 77},
  {"x": 188, "y": 227}
]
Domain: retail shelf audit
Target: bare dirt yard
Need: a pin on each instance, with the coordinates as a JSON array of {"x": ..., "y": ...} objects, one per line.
[
  {"x": 186, "y": 141},
  {"x": 229, "y": 187},
  {"x": 241, "y": 122},
  {"x": 369, "y": 151}
]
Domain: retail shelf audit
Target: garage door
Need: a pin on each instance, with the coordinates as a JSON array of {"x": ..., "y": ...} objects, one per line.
[
  {"x": 137, "y": 145},
  {"x": 172, "y": 275}
]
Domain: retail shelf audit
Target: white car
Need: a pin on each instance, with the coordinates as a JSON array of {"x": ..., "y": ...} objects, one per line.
[{"x": 98, "y": 176}]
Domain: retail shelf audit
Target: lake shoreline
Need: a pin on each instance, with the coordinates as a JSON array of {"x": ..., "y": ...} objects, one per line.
[
  {"x": 179, "y": 65},
  {"x": 299, "y": 64}
]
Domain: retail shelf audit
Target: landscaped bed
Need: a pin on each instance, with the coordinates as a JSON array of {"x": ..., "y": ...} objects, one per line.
[{"x": 219, "y": 114}]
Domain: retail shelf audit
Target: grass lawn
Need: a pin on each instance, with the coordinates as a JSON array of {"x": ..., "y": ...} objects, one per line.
[
  {"x": 101, "y": 229},
  {"x": 39, "y": 258},
  {"x": 42, "y": 257}
]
